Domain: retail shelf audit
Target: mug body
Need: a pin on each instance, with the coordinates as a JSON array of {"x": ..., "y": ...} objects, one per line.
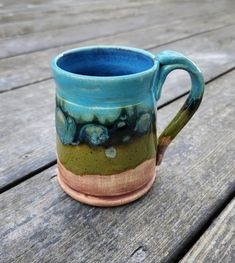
[{"x": 105, "y": 123}]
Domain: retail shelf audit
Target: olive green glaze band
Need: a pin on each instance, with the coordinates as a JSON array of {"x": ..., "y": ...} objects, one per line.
[{"x": 83, "y": 159}]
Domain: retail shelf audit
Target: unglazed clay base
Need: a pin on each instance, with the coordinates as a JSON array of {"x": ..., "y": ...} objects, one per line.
[
  {"x": 108, "y": 190},
  {"x": 105, "y": 201}
]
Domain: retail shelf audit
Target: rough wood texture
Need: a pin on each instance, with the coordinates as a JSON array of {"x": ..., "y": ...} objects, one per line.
[
  {"x": 32, "y": 20},
  {"x": 39, "y": 223},
  {"x": 26, "y": 127},
  {"x": 40, "y": 14},
  {"x": 43, "y": 13},
  {"x": 218, "y": 243},
  {"x": 25, "y": 154},
  {"x": 37, "y": 65},
  {"x": 158, "y": 14}
]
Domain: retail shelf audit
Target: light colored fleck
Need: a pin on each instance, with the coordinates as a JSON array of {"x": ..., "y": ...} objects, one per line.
[
  {"x": 126, "y": 138},
  {"x": 110, "y": 152},
  {"x": 121, "y": 124}
]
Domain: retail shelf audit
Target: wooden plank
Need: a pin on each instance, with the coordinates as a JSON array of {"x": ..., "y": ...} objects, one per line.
[
  {"x": 37, "y": 66},
  {"x": 218, "y": 243},
  {"x": 22, "y": 12},
  {"x": 66, "y": 17},
  {"x": 32, "y": 111},
  {"x": 24, "y": 8},
  {"x": 36, "y": 102},
  {"x": 54, "y": 38},
  {"x": 39, "y": 223}
]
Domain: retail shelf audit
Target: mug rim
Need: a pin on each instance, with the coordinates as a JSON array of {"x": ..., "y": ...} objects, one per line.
[{"x": 69, "y": 74}]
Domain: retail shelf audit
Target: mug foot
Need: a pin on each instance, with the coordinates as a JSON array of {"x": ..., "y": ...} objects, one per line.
[{"x": 105, "y": 201}]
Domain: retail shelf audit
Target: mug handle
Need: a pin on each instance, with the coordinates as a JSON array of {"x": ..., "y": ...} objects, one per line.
[{"x": 169, "y": 61}]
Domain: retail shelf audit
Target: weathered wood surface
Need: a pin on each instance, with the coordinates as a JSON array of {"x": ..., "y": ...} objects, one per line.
[
  {"x": 32, "y": 7},
  {"x": 28, "y": 136},
  {"x": 25, "y": 11},
  {"x": 35, "y": 21},
  {"x": 217, "y": 245},
  {"x": 43, "y": 13},
  {"x": 37, "y": 65},
  {"x": 39, "y": 223},
  {"x": 157, "y": 14},
  {"x": 28, "y": 133}
]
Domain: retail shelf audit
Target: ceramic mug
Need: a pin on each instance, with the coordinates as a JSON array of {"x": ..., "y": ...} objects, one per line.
[{"x": 107, "y": 146}]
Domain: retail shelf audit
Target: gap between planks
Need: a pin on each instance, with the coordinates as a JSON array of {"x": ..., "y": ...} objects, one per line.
[
  {"x": 149, "y": 49},
  {"x": 131, "y": 22},
  {"x": 80, "y": 17},
  {"x": 187, "y": 92},
  {"x": 188, "y": 243},
  {"x": 217, "y": 243}
]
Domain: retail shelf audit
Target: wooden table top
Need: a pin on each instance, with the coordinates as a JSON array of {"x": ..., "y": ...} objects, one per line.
[{"x": 189, "y": 214}]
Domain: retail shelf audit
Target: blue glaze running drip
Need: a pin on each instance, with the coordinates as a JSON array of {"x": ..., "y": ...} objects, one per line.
[
  {"x": 65, "y": 127},
  {"x": 94, "y": 134},
  {"x": 130, "y": 122}
]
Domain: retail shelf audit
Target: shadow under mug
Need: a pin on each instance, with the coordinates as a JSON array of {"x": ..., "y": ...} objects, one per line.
[{"x": 107, "y": 146}]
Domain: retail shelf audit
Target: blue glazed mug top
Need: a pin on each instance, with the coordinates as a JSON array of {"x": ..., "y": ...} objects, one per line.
[
  {"x": 104, "y": 73},
  {"x": 107, "y": 144}
]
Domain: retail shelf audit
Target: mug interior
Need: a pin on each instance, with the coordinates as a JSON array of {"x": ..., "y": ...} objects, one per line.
[{"x": 105, "y": 62}]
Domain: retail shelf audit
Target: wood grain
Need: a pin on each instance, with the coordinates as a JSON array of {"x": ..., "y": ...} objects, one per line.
[
  {"x": 23, "y": 12},
  {"x": 39, "y": 223},
  {"x": 37, "y": 65},
  {"x": 27, "y": 125},
  {"x": 218, "y": 243},
  {"x": 46, "y": 18},
  {"x": 54, "y": 38}
]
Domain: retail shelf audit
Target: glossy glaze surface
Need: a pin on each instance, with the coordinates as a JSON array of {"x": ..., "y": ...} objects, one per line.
[
  {"x": 106, "y": 119},
  {"x": 106, "y": 123}
]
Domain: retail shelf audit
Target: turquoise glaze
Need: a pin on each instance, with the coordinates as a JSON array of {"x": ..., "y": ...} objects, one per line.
[{"x": 106, "y": 96}]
